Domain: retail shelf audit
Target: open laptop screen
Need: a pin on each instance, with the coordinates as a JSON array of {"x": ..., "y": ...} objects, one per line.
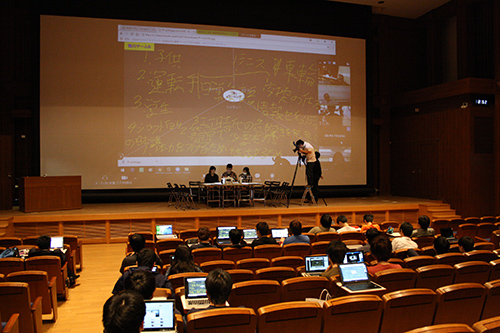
[
  {"x": 316, "y": 263},
  {"x": 57, "y": 242},
  {"x": 223, "y": 232},
  {"x": 354, "y": 257},
  {"x": 249, "y": 233},
  {"x": 159, "y": 315},
  {"x": 164, "y": 229},
  {"x": 278, "y": 233},
  {"x": 195, "y": 287},
  {"x": 353, "y": 273}
]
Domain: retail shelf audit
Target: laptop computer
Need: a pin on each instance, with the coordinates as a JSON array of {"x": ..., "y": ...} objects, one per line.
[
  {"x": 159, "y": 316},
  {"x": 354, "y": 257},
  {"x": 57, "y": 243},
  {"x": 315, "y": 265},
  {"x": 355, "y": 278},
  {"x": 249, "y": 235},
  {"x": 223, "y": 235},
  {"x": 195, "y": 293},
  {"x": 279, "y": 233},
  {"x": 164, "y": 231}
]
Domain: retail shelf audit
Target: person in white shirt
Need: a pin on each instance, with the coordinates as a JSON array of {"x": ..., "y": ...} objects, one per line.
[
  {"x": 405, "y": 241},
  {"x": 344, "y": 226}
]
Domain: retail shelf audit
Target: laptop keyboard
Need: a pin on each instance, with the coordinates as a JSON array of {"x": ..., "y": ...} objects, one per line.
[
  {"x": 360, "y": 286},
  {"x": 197, "y": 301}
]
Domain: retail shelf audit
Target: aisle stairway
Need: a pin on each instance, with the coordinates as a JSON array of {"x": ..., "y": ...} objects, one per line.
[{"x": 438, "y": 211}]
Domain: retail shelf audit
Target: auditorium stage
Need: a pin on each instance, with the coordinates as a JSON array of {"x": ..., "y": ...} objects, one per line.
[{"x": 111, "y": 222}]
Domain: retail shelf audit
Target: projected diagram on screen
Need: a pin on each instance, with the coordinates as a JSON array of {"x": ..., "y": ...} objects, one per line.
[{"x": 195, "y": 98}]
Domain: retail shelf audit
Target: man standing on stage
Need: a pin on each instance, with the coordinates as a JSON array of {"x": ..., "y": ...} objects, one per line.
[{"x": 308, "y": 150}]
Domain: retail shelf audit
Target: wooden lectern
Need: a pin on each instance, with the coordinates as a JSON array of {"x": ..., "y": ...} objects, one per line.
[{"x": 38, "y": 194}]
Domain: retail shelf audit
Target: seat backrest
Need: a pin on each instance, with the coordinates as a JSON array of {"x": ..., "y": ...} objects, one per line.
[
  {"x": 472, "y": 220},
  {"x": 223, "y": 264},
  {"x": 490, "y": 325},
  {"x": 255, "y": 293},
  {"x": 495, "y": 270},
  {"x": 224, "y": 320},
  {"x": 51, "y": 265},
  {"x": 148, "y": 235},
  {"x": 9, "y": 265},
  {"x": 15, "y": 298},
  {"x": 319, "y": 247},
  {"x": 299, "y": 316},
  {"x": 165, "y": 256},
  {"x": 240, "y": 275},
  {"x": 396, "y": 278},
  {"x": 460, "y": 303},
  {"x": 168, "y": 244},
  {"x": 480, "y": 255},
  {"x": 387, "y": 224},
  {"x": 10, "y": 241},
  {"x": 344, "y": 313},
  {"x": 428, "y": 251},
  {"x": 177, "y": 280},
  {"x": 287, "y": 261},
  {"x": 30, "y": 240},
  {"x": 472, "y": 271},
  {"x": 38, "y": 282},
  {"x": 279, "y": 273},
  {"x": 444, "y": 328},
  {"x": 495, "y": 239},
  {"x": 401, "y": 307},
  {"x": 467, "y": 229},
  {"x": 484, "y": 246},
  {"x": 206, "y": 254},
  {"x": 297, "y": 249},
  {"x": 268, "y": 251},
  {"x": 485, "y": 229},
  {"x": 454, "y": 223},
  {"x": 351, "y": 235},
  {"x": 235, "y": 254},
  {"x": 253, "y": 263},
  {"x": 492, "y": 302},
  {"x": 300, "y": 288},
  {"x": 327, "y": 236},
  {"x": 188, "y": 233},
  {"x": 450, "y": 258},
  {"x": 434, "y": 276},
  {"x": 419, "y": 261},
  {"x": 423, "y": 241},
  {"x": 438, "y": 224}
]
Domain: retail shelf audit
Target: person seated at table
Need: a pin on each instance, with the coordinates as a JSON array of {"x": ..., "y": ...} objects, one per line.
[
  {"x": 203, "y": 239},
  {"x": 424, "y": 231},
  {"x": 441, "y": 245},
  {"x": 236, "y": 236},
  {"x": 211, "y": 176},
  {"x": 295, "y": 232},
  {"x": 466, "y": 244},
  {"x": 218, "y": 285},
  {"x": 263, "y": 233},
  {"x": 124, "y": 312},
  {"x": 183, "y": 262},
  {"x": 405, "y": 241},
  {"x": 336, "y": 251},
  {"x": 229, "y": 172},
  {"x": 368, "y": 223},
  {"x": 245, "y": 176},
  {"x": 326, "y": 225},
  {"x": 381, "y": 249},
  {"x": 344, "y": 226}
]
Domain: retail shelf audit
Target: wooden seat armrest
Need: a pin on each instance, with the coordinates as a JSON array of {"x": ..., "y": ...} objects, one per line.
[
  {"x": 36, "y": 304},
  {"x": 12, "y": 325},
  {"x": 64, "y": 271},
  {"x": 36, "y": 309},
  {"x": 52, "y": 281}
]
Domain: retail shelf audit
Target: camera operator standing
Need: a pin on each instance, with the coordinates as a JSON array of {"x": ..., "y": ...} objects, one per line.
[{"x": 308, "y": 150}]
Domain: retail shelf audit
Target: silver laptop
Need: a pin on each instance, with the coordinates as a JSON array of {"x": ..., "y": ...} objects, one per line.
[
  {"x": 195, "y": 293},
  {"x": 159, "y": 316},
  {"x": 354, "y": 257},
  {"x": 249, "y": 235},
  {"x": 279, "y": 233},
  {"x": 164, "y": 231},
  {"x": 223, "y": 235},
  {"x": 57, "y": 243},
  {"x": 355, "y": 278},
  {"x": 315, "y": 265}
]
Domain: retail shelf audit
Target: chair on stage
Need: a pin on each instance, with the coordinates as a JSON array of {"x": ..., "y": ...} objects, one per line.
[
  {"x": 297, "y": 249},
  {"x": 460, "y": 303},
  {"x": 287, "y": 261},
  {"x": 434, "y": 276},
  {"x": 298, "y": 316},
  {"x": 223, "y": 320},
  {"x": 255, "y": 293},
  {"x": 253, "y": 264},
  {"x": 300, "y": 288},
  {"x": 15, "y": 298}
]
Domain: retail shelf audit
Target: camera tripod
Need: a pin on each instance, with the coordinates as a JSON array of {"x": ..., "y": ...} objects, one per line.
[{"x": 308, "y": 188}]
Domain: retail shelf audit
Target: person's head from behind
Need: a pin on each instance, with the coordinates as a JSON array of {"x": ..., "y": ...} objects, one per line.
[
  {"x": 466, "y": 244},
  {"x": 203, "y": 234},
  {"x": 246, "y": 171},
  {"x": 141, "y": 281},
  {"x": 124, "y": 313},
  {"x": 219, "y": 284},
  {"x": 182, "y": 254},
  {"x": 43, "y": 242},
  {"x": 137, "y": 242},
  {"x": 341, "y": 220},
  {"x": 424, "y": 222},
  {"x": 229, "y": 167},
  {"x": 336, "y": 251},
  {"x": 262, "y": 228},
  {"x": 146, "y": 257},
  {"x": 295, "y": 228},
  {"x": 441, "y": 245},
  {"x": 235, "y": 235},
  {"x": 368, "y": 218},
  {"x": 326, "y": 221},
  {"x": 371, "y": 234},
  {"x": 211, "y": 170},
  {"x": 317, "y": 154},
  {"x": 381, "y": 248},
  {"x": 406, "y": 228}
]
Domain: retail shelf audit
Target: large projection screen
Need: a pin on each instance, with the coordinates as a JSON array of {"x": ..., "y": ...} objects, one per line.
[{"x": 132, "y": 104}]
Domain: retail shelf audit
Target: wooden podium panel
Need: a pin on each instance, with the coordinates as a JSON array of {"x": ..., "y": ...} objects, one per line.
[{"x": 38, "y": 194}]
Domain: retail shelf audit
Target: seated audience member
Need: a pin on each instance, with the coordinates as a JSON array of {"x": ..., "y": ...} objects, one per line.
[
  {"x": 381, "y": 249},
  {"x": 344, "y": 226},
  {"x": 183, "y": 262},
  {"x": 264, "y": 235},
  {"x": 405, "y": 241},
  {"x": 203, "y": 239},
  {"x": 211, "y": 176},
  {"x": 326, "y": 225},
  {"x": 43, "y": 249},
  {"x": 142, "y": 282},
  {"x": 295, "y": 232},
  {"x": 236, "y": 236},
  {"x": 229, "y": 172},
  {"x": 424, "y": 231},
  {"x": 465, "y": 244},
  {"x": 370, "y": 236},
  {"x": 336, "y": 251},
  {"x": 368, "y": 223},
  {"x": 137, "y": 242},
  {"x": 245, "y": 176},
  {"x": 218, "y": 284},
  {"x": 145, "y": 262},
  {"x": 441, "y": 245},
  {"x": 124, "y": 312}
]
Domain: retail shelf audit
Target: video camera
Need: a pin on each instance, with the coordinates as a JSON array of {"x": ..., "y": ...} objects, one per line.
[{"x": 296, "y": 149}]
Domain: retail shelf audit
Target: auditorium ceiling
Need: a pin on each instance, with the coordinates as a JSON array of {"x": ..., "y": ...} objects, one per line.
[{"x": 401, "y": 8}]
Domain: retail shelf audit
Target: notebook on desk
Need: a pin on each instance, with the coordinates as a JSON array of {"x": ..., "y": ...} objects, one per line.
[
  {"x": 164, "y": 231},
  {"x": 355, "y": 278},
  {"x": 315, "y": 265},
  {"x": 195, "y": 293},
  {"x": 223, "y": 235},
  {"x": 160, "y": 316}
]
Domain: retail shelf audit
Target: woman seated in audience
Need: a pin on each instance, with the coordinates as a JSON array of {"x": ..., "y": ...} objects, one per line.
[
  {"x": 381, "y": 249},
  {"x": 183, "y": 262}
]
